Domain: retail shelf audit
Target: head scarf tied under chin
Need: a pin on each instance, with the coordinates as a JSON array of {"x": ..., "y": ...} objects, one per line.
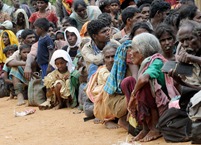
[
  {"x": 62, "y": 54},
  {"x": 73, "y": 30}
]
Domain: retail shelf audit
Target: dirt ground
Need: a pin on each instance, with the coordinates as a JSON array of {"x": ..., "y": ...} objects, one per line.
[{"x": 57, "y": 127}]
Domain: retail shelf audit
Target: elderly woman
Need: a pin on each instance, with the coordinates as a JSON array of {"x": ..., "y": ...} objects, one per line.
[
  {"x": 152, "y": 90},
  {"x": 106, "y": 107},
  {"x": 83, "y": 13}
]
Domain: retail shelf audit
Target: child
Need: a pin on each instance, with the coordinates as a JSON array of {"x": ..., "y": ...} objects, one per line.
[
  {"x": 58, "y": 82},
  {"x": 43, "y": 13},
  {"x": 115, "y": 12},
  {"x": 17, "y": 73},
  {"x": 45, "y": 45},
  {"x": 8, "y": 51}
]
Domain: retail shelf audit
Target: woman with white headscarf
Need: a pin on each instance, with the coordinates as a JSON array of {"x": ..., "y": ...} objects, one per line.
[
  {"x": 61, "y": 83},
  {"x": 21, "y": 20},
  {"x": 73, "y": 39}
]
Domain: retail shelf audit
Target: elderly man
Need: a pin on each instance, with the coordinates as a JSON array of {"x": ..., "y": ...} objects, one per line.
[{"x": 189, "y": 35}]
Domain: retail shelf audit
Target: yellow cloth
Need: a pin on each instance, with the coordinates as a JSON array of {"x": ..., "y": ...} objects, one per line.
[
  {"x": 13, "y": 40},
  {"x": 55, "y": 77}
]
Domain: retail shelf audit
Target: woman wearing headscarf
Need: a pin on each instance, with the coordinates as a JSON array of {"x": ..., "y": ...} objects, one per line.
[
  {"x": 73, "y": 39},
  {"x": 83, "y": 13},
  {"x": 21, "y": 20},
  {"x": 7, "y": 38}
]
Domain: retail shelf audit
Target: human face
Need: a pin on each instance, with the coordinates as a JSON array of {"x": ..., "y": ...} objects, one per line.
[
  {"x": 16, "y": 3},
  {"x": 34, "y": 5},
  {"x": 81, "y": 11},
  {"x": 103, "y": 35},
  {"x": 71, "y": 38},
  {"x": 136, "y": 18},
  {"x": 109, "y": 58},
  {"x": 5, "y": 39},
  {"x": 197, "y": 17},
  {"x": 60, "y": 36},
  {"x": 9, "y": 53},
  {"x": 51, "y": 31},
  {"x": 167, "y": 43},
  {"x": 39, "y": 31},
  {"x": 114, "y": 7},
  {"x": 61, "y": 65},
  {"x": 135, "y": 56},
  {"x": 145, "y": 13},
  {"x": 189, "y": 41},
  {"x": 20, "y": 19},
  {"x": 23, "y": 53},
  {"x": 41, "y": 5},
  {"x": 30, "y": 39}
]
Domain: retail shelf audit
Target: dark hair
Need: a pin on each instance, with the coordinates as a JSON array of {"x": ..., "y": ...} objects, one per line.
[
  {"x": 186, "y": 11},
  {"x": 114, "y": 1},
  {"x": 139, "y": 25},
  {"x": 103, "y": 4},
  {"x": 52, "y": 25},
  {"x": 10, "y": 48},
  {"x": 42, "y": 23},
  {"x": 142, "y": 2},
  {"x": 6, "y": 34},
  {"x": 71, "y": 21},
  {"x": 128, "y": 12},
  {"x": 185, "y": 1},
  {"x": 158, "y": 6},
  {"x": 26, "y": 32},
  {"x": 24, "y": 46},
  {"x": 106, "y": 18},
  {"x": 46, "y": 1},
  {"x": 76, "y": 3},
  {"x": 95, "y": 26},
  {"x": 143, "y": 5},
  {"x": 162, "y": 28},
  {"x": 171, "y": 19}
]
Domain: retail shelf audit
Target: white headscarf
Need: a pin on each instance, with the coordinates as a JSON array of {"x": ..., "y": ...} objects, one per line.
[
  {"x": 62, "y": 54},
  {"x": 73, "y": 30},
  {"x": 25, "y": 16}
]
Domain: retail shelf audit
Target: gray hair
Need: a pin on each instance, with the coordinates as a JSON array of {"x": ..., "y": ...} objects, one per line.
[
  {"x": 147, "y": 44},
  {"x": 196, "y": 27},
  {"x": 111, "y": 45}
]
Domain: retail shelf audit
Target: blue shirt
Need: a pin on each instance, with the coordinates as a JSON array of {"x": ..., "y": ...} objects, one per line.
[{"x": 44, "y": 45}]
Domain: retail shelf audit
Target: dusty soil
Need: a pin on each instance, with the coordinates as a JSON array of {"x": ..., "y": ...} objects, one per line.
[{"x": 57, "y": 127}]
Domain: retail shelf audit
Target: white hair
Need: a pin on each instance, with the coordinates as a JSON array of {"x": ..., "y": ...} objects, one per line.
[{"x": 147, "y": 44}]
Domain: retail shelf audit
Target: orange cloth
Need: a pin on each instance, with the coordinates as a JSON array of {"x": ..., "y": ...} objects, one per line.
[{"x": 84, "y": 29}]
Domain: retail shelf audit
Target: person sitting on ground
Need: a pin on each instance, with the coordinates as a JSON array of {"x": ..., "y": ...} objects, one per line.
[
  {"x": 73, "y": 39},
  {"x": 83, "y": 13},
  {"x": 17, "y": 73},
  {"x": 144, "y": 103},
  {"x": 106, "y": 107},
  {"x": 60, "y": 82},
  {"x": 165, "y": 34},
  {"x": 158, "y": 11},
  {"x": 130, "y": 16},
  {"x": 8, "y": 51}
]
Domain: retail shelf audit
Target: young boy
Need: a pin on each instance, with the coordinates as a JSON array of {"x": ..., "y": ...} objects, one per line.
[{"x": 45, "y": 45}]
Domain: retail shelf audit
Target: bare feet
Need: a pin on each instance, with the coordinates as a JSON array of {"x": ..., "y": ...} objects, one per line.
[
  {"x": 59, "y": 106},
  {"x": 45, "y": 105},
  {"x": 97, "y": 121},
  {"x": 152, "y": 135},
  {"x": 20, "y": 99},
  {"x": 123, "y": 123},
  {"x": 141, "y": 135},
  {"x": 111, "y": 125}
]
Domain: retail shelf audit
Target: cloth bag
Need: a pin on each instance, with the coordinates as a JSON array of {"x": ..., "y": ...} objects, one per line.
[{"x": 36, "y": 92}]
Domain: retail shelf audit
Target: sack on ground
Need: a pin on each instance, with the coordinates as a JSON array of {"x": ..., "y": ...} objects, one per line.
[
  {"x": 36, "y": 92},
  {"x": 3, "y": 88},
  {"x": 175, "y": 125}
]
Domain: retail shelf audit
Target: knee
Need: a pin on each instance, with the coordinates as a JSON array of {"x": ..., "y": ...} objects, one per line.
[
  {"x": 127, "y": 82},
  {"x": 58, "y": 87}
]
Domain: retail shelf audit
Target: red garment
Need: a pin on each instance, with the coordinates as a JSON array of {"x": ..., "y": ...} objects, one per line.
[
  {"x": 51, "y": 16},
  {"x": 172, "y": 2}
]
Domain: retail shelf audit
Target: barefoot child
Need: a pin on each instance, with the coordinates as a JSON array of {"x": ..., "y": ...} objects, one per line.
[
  {"x": 8, "y": 51},
  {"x": 58, "y": 82},
  {"x": 17, "y": 73}
]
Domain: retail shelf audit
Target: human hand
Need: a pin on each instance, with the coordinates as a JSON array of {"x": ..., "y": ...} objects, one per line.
[
  {"x": 66, "y": 77},
  {"x": 27, "y": 72},
  {"x": 183, "y": 56},
  {"x": 132, "y": 106}
]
